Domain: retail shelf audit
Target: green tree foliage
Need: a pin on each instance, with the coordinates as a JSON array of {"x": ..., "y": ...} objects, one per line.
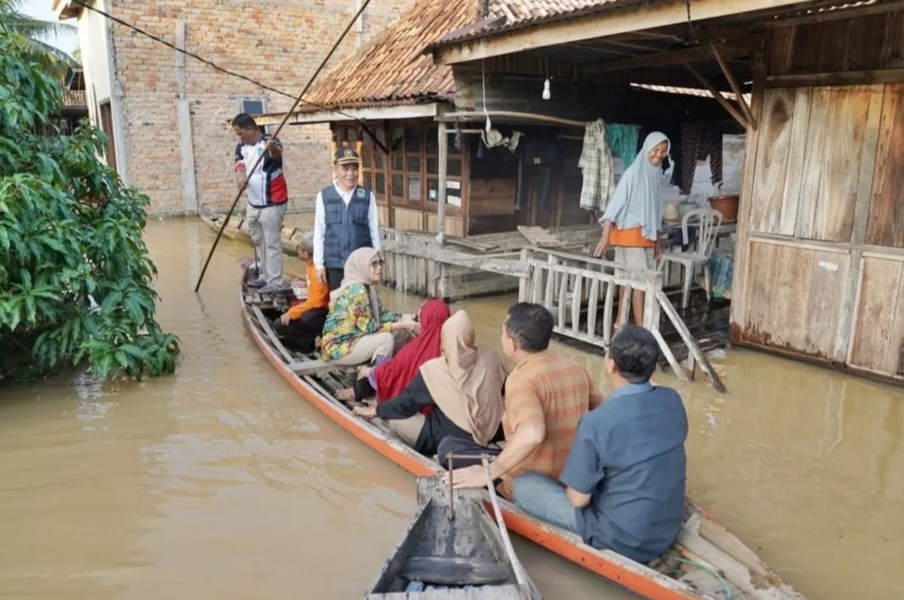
[
  {"x": 75, "y": 276},
  {"x": 35, "y": 32}
]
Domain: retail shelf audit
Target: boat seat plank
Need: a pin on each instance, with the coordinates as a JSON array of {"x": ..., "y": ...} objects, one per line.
[
  {"x": 310, "y": 367},
  {"x": 268, "y": 331},
  {"x": 454, "y": 571}
]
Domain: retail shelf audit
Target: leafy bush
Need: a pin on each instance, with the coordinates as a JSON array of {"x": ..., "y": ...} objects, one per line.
[{"x": 75, "y": 276}]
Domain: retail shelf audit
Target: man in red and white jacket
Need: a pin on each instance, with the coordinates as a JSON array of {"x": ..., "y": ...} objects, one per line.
[{"x": 267, "y": 196}]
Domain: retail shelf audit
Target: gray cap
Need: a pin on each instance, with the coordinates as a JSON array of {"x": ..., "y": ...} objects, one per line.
[{"x": 306, "y": 241}]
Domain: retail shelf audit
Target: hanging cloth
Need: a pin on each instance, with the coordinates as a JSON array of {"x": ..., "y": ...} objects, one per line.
[
  {"x": 698, "y": 141},
  {"x": 596, "y": 164},
  {"x": 623, "y": 140}
]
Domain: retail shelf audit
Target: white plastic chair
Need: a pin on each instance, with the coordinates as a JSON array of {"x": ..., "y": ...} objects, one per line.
[{"x": 707, "y": 222}]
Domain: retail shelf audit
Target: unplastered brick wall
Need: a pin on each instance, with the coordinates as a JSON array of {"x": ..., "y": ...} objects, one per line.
[{"x": 279, "y": 43}]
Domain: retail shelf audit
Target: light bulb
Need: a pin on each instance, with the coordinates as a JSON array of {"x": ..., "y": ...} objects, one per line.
[{"x": 546, "y": 94}]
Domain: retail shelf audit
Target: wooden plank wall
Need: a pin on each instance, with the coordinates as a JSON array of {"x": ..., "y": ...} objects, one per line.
[
  {"x": 454, "y": 225},
  {"x": 807, "y": 184},
  {"x": 492, "y": 197},
  {"x": 821, "y": 252},
  {"x": 878, "y": 344},
  {"x": 383, "y": 215},
  {"x": 886, "y": 212},
  {"x": 793, "y": 295},
  {"x": 846, "y": 45},
  {"x": 408, "y": 220}
]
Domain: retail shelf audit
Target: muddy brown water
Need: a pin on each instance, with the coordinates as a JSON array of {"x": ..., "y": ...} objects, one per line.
[{"x": 218, "y": 482}]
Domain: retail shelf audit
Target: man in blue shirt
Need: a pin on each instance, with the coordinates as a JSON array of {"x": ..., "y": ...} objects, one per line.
[{"x": 625, "y": 475}]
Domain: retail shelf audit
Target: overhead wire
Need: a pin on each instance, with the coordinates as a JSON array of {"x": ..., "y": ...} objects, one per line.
[{"x": 224, "y": 70}]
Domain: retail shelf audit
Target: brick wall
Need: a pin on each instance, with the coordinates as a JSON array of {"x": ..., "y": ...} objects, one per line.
[{"x": 277, "y": 42}]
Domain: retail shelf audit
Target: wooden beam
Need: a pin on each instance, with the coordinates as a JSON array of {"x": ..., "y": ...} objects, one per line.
[
  {"x": 597, "y": 50},
  {"x": 733, "y": 82},
  {"x": 376, "y": 113},
  {"x": 717, "y": 95},
  {"x": 503, "y": 114},
  {"x": 878, "y": 76},
  {"x": 620, "y": 19},
  {"x": 662, "y": 59},
  {"x": 631, "y": 46}
]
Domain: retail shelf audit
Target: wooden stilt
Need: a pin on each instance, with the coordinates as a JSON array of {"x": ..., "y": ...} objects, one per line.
[
  {"x": 691, "y": 343},
  {"x": 670, "y": 356}
]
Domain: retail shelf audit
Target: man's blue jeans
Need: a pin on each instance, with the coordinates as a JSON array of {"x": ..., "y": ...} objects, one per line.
[{"x": 544, "y": 498}]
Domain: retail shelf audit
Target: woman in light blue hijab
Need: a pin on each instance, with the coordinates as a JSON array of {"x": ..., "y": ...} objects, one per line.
[{"x": 633, "y": 217}]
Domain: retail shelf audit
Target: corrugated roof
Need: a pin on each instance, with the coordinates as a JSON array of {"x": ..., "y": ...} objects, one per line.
[
  {"x": 504, "y": 15},
  {"x": 393, "y": 67}
]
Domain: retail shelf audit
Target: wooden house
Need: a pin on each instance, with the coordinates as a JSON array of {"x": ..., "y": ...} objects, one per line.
[
  {"x": 819, "y": 264},
  {"x": 402, "y": 111}
]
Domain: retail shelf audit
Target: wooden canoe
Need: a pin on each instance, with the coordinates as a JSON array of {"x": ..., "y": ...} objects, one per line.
[
  {"x": 237, "y": 229},
  {"x": 706, "y": 562},
  {"x": 452, "y": 551}
]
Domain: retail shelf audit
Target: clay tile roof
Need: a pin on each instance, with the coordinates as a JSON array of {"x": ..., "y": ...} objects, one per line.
[
  {"x": 392, "y": 68},
  {"x": 504, "y": 15}
]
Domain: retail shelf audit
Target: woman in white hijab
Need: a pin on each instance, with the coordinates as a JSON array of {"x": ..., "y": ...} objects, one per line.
[{"x": 633, "y": 217}]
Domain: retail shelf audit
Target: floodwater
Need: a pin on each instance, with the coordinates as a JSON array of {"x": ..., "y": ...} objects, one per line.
[{"x": 218, "y": 482}]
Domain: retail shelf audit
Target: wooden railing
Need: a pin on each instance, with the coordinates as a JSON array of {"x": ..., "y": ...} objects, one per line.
[{"x": 572, "y": 286}]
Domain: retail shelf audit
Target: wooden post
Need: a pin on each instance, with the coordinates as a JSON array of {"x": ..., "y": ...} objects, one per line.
[
  {"x": 607, "y": 313},
  {"x": 550, "y": 283},
  {"x": 691, "y": 343},
  {"x": 742, "y": 247},
  {"x": 183, "y": 118},
  {"x": 592, "y": 307},
  {"x": 563, "y": 298},
  {"x": 651, "y": 312},
  {"x": 359, "y": 148},
  {"x": 525, "y": 283},
  {"x": 669, "y": 356},
  {"x": 443, "y": 160},
  {"x": 576, "y": 297},
  {"x": 624, "y": 308}
]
